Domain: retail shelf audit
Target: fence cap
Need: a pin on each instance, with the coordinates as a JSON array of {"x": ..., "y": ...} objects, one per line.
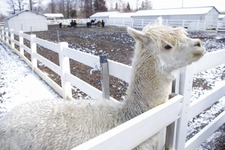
[{"x": 103, "y": 58}]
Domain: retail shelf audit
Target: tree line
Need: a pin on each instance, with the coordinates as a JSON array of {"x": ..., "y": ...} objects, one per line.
[{"x": 75, "y": 8}]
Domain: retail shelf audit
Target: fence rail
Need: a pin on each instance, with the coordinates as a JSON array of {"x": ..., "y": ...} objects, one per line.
[
  {"x": 173, "y": 115},
  {"x": 192, "y": 25}
]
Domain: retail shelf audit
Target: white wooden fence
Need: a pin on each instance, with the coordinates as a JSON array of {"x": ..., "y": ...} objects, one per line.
[
  {"x": 140, "y": 23},
  {"x": 191, "y": 25},
  {"x": 174, "y": 114}
]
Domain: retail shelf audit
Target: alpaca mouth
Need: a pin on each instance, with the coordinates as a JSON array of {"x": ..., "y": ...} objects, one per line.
[{"x": 198, "y": 54}]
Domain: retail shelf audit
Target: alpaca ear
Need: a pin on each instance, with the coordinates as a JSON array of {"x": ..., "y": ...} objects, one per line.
[{"x": 136, "y": 34}]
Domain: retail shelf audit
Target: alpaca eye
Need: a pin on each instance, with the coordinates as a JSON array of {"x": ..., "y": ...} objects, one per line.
[{"x": 167, "y": 47}]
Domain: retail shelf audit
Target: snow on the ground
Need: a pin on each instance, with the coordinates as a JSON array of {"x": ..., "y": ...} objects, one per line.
[{"x": 18, "y": 83}]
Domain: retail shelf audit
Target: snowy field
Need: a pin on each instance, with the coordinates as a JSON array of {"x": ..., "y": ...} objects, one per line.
[{"x": 19, "y": 84}]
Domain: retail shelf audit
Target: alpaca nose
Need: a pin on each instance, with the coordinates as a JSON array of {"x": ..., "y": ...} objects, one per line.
[{"x": 197, "y": 43}]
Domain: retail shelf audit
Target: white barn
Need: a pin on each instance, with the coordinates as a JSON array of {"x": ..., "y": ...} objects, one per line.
[
  {"x": 26, "y": 21},
  {"x": 222, "y": 18},
  {"x": 103, "y": 15},
  {"x": 54, "y": 18},
  {"x": 123, "y": 19},
  {"x": 208, "y": 15}
]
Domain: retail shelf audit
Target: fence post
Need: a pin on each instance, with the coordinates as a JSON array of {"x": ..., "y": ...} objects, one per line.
[
  {"x": 7, "y": 35},
  {"x": 12, "y": 38},
  {"x": 104, "y": 75},
  {"x": 186, "y": 80},
  {"x": 2, "y": 33},
  {"x": 65, "y": 68},
  {"x": 33, "y": 47},
  {"x": 183, "y": 23},
  {"x": 58, "y": 36},
  {"x": 170, "y": 136},
  {"x": 21, "y": 43},
  {"x": 198, "y": 28}
]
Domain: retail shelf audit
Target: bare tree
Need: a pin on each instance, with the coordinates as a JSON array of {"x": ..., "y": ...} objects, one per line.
[
  {"x": 20, "y": 5},
  {"x": 38, "y": 7},
  {"x": 146, "y": 5},
  {"x": 100, "y": 6},
  {"x": 12, "y": 6},
  {"x": 127, "y": 9},
  {"x": 52, "y": 6},
  {"x": 88, "y": 9}
]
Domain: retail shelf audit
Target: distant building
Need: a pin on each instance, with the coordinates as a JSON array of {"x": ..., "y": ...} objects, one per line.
[
  {"x": 103, "y": 15},
  {"x": 208, "y": 15},
  {"x": 222, "y": 18},
  {"x": 54, "y": 18},
  {"x": 26, "y": 21},
  {"x": 113, "y": 17}
]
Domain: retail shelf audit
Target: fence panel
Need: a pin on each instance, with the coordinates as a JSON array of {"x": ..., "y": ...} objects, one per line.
[
  {"x": 137, "y": 130},
  {"x": 120, "y": 70},
  {"x": 191, "y": 109},
  {"x": 206, "y": 100},
  {"x": 84, "y": 58},
  {"x": 46, "y": 44},
  {"x": 206, "y": 132}
]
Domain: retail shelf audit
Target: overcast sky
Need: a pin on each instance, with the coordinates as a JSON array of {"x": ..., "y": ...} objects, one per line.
[{"x": 219, "y": 4}]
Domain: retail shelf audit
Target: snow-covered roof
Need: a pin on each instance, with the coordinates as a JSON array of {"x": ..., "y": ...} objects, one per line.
[
  {"x": 105, "y": 14},
  {"x": 21, "y": 13},
  {"x": 121, "y": 15},
  {"x": 175, "y": 11},
  {"x": 221, "y": 16},
  {"x": 53, "y": 15}
]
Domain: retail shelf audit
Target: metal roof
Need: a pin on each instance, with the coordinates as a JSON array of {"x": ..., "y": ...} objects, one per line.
[
  {"x": 175, "y": 11},
  {"x": 221, "y": 16},
  {"x": 121, "y": 15},
  {"x": 53, "y": 15},
  {"x": 17, "y": 14},
  {"x": 105, "y": 14}
]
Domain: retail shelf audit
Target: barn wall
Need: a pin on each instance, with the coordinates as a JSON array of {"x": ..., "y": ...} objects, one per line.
[
  {"x": 27, "y": 22},
  {"x": 211, "y": 19},
  {"x": 173, "y": 17},
  {"x": 100, "y": 18}
]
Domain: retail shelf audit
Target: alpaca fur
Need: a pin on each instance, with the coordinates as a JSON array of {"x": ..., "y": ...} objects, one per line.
[{"x": 59, "y": 124}]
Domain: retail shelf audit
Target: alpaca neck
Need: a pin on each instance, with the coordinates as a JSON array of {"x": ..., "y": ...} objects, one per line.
[{"x": 149, "y": 86}]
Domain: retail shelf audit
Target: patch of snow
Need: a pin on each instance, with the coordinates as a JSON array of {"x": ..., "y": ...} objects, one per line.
[{"x": 18, "y": 83}]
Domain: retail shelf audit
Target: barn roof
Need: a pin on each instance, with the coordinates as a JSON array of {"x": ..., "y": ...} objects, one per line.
[
  {"x": 53, "y": 15},
  {"x": 175, "y": 11},
  {"x": 121, "y": 15},
  {"x": 105, "y": 14},
  {"x": 21, "y": 13},
  {"x": 221, "y": 16}
]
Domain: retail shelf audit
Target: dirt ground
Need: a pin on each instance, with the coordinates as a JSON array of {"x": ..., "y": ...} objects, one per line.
[{"x": 113, "y": 41}]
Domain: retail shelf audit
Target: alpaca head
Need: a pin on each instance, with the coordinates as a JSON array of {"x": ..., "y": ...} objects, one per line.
[{"x": 170, "y": 46}]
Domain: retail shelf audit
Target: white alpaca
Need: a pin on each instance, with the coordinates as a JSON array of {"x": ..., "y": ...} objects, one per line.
[{"x": 62, "y": 125}]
